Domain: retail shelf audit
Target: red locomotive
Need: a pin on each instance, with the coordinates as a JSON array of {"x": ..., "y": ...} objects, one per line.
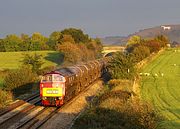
[{"x": 59, "y": 86}]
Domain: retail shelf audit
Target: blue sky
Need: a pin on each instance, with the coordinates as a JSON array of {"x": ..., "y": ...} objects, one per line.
[{"x": 98, "y": 18}]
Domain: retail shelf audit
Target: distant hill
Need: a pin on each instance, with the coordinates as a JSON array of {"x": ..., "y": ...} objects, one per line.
[
  {"x": 171, "y": 31},
  {"x": 113, "y": 40}
]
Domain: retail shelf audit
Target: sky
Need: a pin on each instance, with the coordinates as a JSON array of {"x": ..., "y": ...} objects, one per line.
[{"x": 97, "y": 18}]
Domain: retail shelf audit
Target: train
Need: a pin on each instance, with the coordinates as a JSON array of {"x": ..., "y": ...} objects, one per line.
[{"x": 60, "y": 85}]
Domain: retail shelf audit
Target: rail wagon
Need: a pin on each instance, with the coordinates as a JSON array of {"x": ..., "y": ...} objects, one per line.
[{"x": 60, "y": 85}]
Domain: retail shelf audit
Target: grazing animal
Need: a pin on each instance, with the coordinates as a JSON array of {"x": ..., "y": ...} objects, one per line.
[{"x": 156, "y": 75}]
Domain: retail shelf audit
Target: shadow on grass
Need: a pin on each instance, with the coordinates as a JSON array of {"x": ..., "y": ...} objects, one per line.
[{"x": 55, "y": 57}]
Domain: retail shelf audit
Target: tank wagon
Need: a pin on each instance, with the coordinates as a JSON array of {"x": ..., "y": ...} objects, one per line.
[{"x": 59, "y": 86}]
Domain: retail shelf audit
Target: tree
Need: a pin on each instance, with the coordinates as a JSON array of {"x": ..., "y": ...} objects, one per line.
[
  {"x": 95, "y": 46},
  {"x": 77, "y": 35},
  {"x": 67, "y": 38},
  {"x": 72, "y": 54},
  {"x": 12, "y": 43},
  {"x": 87, "y": 54},
  {"x": 163, "y": 40},
  {"x": 38, "y": 42},
  {"x": 34, "y": 61},
  {"x": 54, "y": 39},
  {"x": 140, "y": 52},
  {"x": 122, "y": 66},
  {"x": 2, "y": 48},
  {"x": 25, "y": 42},
  {"x": 134, "y": 40},
  {"x": 153, "y": 45}
]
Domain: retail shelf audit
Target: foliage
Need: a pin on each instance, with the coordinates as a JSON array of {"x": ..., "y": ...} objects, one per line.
[
  {"x": 134, "y": 40},
  {"x": 77, "y": 34},
  {"x": 72, "y": 53},
  {"x": 4, "y": 97},
  {"x": 140, "y": 52},
  {"x": 122, "y": 66},
  {"x": 12, "y": 43},
  {"x": 163, "y": 40},
  {"x": 35, "y": 61},
  {"x": 114, "y": 110},
  {"x": 38, "y": 42},
  {"x": 25, "y": 42},
  {"x": 54, "y": 39},
  {"x": 95, "y": 46},
  {"x": 19, "y": 77},
  {"x": 86, "y": 53},
  {"x": 2, "y": 47},
  {"x": 153, "y": 45}
]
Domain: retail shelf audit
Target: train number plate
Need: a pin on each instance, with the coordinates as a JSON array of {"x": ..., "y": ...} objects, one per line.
[{"x": 52, "y": 92}]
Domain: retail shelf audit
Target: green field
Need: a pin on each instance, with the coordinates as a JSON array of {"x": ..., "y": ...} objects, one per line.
[
  {"x": 162, "y": 87},
  {"x": 12, "y": 60}
]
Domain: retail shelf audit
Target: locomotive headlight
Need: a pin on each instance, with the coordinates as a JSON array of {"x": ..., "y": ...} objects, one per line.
[{"x": 44, "y": 98}]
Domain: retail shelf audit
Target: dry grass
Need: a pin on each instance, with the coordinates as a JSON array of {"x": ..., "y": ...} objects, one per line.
[{"x": 115, "y": 109}]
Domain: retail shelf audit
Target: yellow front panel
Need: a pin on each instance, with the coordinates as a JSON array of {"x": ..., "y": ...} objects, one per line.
[{"x": 52, "y": 92}]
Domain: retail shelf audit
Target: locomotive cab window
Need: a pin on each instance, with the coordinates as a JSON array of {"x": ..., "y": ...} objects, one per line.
[
  {"x": 52, "y": 78},
  {"x": 57, "y": 77},
  {"x": 47, "y": 78}
]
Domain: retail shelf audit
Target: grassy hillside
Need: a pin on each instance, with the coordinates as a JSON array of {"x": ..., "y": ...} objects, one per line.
[
  {"x": 162, "y": 87},
  {"x": 12, "y": 60},
  {"x": 173, "y": 34}
]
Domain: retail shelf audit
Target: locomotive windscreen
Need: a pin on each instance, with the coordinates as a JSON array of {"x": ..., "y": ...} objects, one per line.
[{"x": 52, "y": 78}]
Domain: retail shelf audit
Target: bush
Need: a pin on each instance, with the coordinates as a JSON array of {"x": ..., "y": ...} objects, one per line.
[
  {"x": 19, "y": 77},
  {"x": 35, "y": 61},
  {"x": 140, "y": 52},
  {"x": 4, "y": 97},
  {"x": 122, "y": 66},
  {"x": 114, "y": 113}
]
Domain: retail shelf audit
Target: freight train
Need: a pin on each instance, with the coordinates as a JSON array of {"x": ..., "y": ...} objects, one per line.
[{"x": 60, "y": 85}]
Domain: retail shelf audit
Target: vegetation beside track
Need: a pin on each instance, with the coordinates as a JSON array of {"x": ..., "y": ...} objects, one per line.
[
  {"x": 114, "y": 109},
  {"x": 161, "y": 87}
]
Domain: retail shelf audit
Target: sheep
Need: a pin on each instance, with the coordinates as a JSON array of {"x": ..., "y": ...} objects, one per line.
[
  {"x": 156, "y": 75},
  {"x": 162, "y": 74}
]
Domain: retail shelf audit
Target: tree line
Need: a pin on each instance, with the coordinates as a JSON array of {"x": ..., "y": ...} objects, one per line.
[{"x": 73, "y": 43}]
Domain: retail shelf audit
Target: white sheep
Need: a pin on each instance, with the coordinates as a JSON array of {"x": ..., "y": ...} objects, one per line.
[{"x": 156, "y": 75}]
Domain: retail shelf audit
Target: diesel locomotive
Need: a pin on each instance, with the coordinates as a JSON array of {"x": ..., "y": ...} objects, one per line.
[{"x": 60, "y": 85}]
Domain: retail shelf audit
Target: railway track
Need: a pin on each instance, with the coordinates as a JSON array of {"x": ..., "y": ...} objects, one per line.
[{"x": 28, "y": 114}]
